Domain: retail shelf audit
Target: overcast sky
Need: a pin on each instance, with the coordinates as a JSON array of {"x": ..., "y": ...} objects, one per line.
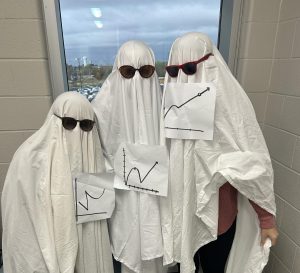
[{"x": 97, "y": 28}]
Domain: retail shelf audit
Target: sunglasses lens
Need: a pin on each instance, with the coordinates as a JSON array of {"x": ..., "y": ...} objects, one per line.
[
  {"x": 127, "y": 71},
  {"x": 172, "y": 71},
  {"x": 69, "y": 123},
  {"x": 147, "y": 71},
  {"x": 189, "y": 68},
  {"x": 86, "y": 125}
]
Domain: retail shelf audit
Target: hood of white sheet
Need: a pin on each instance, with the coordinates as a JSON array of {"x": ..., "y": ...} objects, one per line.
[{"x": 128, "y": 109}]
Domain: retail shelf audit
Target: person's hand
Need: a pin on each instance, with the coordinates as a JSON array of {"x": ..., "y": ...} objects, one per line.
[{"x": 271, "y": 233}]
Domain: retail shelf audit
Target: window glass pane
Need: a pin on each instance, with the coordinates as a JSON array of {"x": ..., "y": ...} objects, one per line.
[{"x": 93, "y": 31}]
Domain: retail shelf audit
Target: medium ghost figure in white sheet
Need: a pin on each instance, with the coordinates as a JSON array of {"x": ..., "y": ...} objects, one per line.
[
  {"x": 198, "y": 168},
  {"x": 39, "y": 226},
  {"x": 128, "y": 110}
]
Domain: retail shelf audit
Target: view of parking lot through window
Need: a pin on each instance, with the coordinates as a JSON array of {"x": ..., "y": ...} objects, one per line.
[{"x": 93, "y": 31}]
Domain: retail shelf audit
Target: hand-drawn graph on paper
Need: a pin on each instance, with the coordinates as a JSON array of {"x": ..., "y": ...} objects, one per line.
[
  {"x": 137, "y": 172},
  {"x": 141, "y": 167},
  {"x": 88, "y": 196},
  {"x": 189, "y": 110},
  {"x": 181, "y": 105}
]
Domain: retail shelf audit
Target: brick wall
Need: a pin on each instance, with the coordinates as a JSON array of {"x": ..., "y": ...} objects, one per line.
[
  {"x": 269, "y": 70},
  {"x": 24, "y": 76}
]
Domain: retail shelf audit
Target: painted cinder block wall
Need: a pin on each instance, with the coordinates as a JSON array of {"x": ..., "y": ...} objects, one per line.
[
  {"x": 24, "y": 76},
  {"x": 269, "y": 70}
]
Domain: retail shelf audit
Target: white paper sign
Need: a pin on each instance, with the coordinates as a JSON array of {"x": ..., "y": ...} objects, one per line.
[
  {"x": 94, "y": 196},
  {"x": 189, "y": 110},
  {"x": 142, "y": 168}
]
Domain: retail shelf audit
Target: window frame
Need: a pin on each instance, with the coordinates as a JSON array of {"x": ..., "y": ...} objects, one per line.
[
  {"x": 55, "y": 47},
  {"x": 228, "y": 40}
]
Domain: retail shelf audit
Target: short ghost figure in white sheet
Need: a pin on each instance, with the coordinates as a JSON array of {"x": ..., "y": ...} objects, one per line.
[
  {"x": 38, "y": 212},
  {"x": 128, "y": 110},
  {"x": 233, "y": 164}
]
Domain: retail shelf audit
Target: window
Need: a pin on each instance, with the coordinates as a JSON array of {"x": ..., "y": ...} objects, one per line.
[{"x": 89, "y": 33}]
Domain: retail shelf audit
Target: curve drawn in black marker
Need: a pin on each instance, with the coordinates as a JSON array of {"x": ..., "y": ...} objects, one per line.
[
  {"x": 139, "y": 175},
  {"x": 186, "y": 102},
  {"x": 87, "y": 199}
]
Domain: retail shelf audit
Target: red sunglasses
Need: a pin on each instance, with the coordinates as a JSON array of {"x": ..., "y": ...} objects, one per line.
[{"x": 189, "y": 68}]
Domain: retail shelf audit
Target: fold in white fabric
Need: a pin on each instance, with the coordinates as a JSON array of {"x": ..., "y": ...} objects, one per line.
[
  {"x": 39, "y": 226},
  {"x": 128, "y": 110},
  {"x": 237, "y": 154}
]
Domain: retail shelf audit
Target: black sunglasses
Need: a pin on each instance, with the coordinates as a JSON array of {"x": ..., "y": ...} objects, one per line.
[
  {"x": 128, "y": 71},
  {"x": 189, "y": 68},
  {"x": 70, "y": 123}
]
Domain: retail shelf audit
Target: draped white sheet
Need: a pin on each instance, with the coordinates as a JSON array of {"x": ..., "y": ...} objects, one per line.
[
  {"x": 237, "y": 154},
  {"x": 39, "y": 229},
  {"x": 128, "y": 110}
]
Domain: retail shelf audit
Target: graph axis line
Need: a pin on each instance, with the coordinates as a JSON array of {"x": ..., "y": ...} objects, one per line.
[{"x": 185, "y": 129}]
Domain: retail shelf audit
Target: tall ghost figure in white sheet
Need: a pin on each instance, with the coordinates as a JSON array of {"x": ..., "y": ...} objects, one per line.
[
  {"x": 128, "y": 110},
  {"x": 39, "y": 227},
  {"x": 198, "y": 168}
]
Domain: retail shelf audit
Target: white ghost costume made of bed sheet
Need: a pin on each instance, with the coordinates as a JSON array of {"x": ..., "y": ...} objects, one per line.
[
  {"x": 39, "y": 226},
  {"x": 237, "y": 154},
  {"x": 128, "y": 110}
]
